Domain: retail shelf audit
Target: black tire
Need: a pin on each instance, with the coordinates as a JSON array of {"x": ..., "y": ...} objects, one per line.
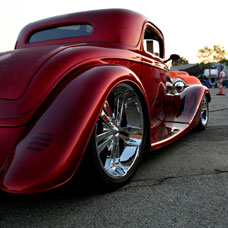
[{"x": 119, "y": 138}]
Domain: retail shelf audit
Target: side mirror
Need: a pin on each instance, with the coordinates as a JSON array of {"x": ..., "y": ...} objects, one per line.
[{"x": 172, "y": 57}]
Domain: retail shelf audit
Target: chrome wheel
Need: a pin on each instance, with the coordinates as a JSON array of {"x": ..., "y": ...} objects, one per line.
[
  {"x": 204, "y": 112},
  {"x": 119, "y": 133}
]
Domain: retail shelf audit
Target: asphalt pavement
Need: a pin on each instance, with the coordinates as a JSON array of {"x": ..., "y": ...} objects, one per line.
[{"x": 182, "y": 185}]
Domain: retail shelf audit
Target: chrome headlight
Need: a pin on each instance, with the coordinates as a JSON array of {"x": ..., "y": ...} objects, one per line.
[{"x": 178, "y": 87}]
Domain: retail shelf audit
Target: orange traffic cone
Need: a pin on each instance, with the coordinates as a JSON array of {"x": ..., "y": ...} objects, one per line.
[{"x": 220, "y": 86}]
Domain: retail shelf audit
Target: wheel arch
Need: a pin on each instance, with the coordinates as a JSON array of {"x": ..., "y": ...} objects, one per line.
[
  {"x": 53, "y": 162},
  {"x": 208, "y": 96}
]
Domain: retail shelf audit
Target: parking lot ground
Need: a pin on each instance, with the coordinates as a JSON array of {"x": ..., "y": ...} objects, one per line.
[{"x": 182, "y": 185}]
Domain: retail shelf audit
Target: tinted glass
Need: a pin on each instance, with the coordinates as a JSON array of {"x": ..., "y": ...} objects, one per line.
[{"x": 61, "y": 32}]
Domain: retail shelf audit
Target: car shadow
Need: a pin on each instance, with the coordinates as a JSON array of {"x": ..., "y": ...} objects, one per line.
[{"x": 80, "y": 187}]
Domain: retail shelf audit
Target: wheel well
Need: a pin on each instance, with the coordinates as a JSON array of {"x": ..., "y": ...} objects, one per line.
[{"x": 208, "y": 97}]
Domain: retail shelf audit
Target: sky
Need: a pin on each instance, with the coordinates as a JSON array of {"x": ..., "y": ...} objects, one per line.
[{"x": 187, "y": 25}]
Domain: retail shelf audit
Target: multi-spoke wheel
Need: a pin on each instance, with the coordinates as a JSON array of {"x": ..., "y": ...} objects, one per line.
[
  {"x": 204, "y": 114},
  {"x": 119, "y": 136}
]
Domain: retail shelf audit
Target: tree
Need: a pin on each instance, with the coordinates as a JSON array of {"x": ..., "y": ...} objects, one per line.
[
  {"x": 224, "y": 61},
  {"x": 215, "y": 54},
  {"x": 180, "y": 61}
]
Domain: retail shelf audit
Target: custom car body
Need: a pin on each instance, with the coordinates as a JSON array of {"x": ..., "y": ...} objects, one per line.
[{"x": 92, "y": 82}]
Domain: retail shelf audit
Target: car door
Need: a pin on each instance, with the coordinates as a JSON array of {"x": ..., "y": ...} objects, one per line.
[{"x": 155, "y": 80}]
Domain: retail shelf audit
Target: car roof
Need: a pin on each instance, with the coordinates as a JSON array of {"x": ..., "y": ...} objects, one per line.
[{"x": 118, "y": 26}]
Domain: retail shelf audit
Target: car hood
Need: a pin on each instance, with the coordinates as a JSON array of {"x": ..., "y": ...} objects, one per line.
[{"x": 18, "y": 67}]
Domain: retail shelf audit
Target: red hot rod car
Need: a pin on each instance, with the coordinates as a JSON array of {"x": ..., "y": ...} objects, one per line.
[{"x": 91, "y": 82}]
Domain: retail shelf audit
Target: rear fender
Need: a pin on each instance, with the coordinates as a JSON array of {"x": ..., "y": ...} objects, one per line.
[{"x": 51, "y": 150}]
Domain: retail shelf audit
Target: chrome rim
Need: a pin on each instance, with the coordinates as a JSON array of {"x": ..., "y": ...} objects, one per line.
[
  {"x": 204, "y": 112},
  {"x": 119, "y": 131}
]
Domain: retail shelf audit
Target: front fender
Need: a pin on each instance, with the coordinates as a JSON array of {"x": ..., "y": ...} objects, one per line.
[
  {"x": 186, "y": 106},
  {"x": 51, "y": 150}
]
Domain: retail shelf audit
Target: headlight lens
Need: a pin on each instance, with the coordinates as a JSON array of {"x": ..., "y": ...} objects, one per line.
[{"x": 178, "y": 87}]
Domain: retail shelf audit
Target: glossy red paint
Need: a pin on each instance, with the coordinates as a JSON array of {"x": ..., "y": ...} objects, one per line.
[
  {"x": 122, "y": 27},
  {"x": 52, "y": 92},
  {"x": 62, "y": 159}
]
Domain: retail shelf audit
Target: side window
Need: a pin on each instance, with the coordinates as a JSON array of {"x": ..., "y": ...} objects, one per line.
[{"x": 152, "y": 43}]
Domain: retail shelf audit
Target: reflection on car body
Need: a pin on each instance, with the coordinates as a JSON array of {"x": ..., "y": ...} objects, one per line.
[{"x": 91, "y": 83}]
